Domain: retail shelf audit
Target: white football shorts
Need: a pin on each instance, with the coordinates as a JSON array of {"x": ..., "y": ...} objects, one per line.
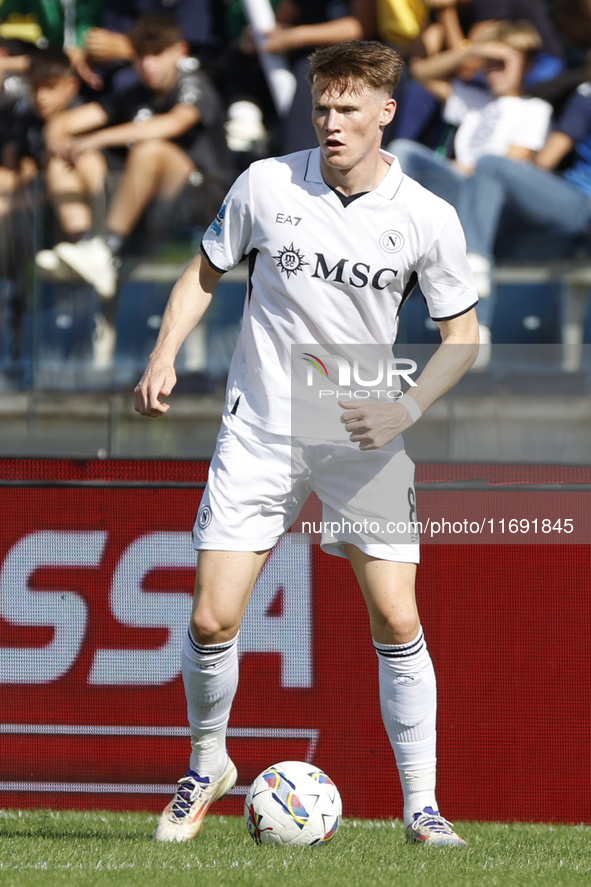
[{"x": 259, "y": 481}]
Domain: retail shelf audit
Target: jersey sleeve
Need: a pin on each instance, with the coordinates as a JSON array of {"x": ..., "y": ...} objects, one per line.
[
  {"x": 229, "y": 237},
  {"x": 444, "y": 274}
]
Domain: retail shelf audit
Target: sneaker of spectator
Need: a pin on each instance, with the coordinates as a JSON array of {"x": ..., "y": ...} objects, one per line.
[
  {"x": 166, "y": 130},
  {"x": 245, "y": 131}
]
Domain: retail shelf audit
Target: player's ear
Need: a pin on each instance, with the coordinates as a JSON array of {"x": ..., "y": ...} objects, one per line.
[{"x": 388, "y": 112}]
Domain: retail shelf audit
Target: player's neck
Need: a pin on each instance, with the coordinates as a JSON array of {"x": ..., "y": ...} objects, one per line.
[{"x": 361, "y": 177}]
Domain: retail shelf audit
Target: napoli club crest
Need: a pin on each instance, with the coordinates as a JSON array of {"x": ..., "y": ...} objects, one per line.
[{"x": 204, "y": 517}]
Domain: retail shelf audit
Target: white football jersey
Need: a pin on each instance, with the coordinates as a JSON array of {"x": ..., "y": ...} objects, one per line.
[{"x": 321, "y": 272}]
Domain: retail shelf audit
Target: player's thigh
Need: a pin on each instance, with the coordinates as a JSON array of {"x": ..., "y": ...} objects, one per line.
[
  {"x": 368, "y": 500},
  {"x": 388, "y": 588},
  {"x": 223, "y": 585},
  {"x": 252, "y": 496}
]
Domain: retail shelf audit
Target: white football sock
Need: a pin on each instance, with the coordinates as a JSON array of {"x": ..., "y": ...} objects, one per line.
[
  {"x": 210, "y": 675},
  {"x": 408, "y": 698}
]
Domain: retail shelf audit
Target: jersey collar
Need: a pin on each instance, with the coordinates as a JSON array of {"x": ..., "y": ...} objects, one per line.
[{"x": 387, "y": 187}]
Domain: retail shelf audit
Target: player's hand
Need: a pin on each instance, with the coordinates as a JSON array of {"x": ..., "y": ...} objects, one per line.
[
  {"x": 156, "y": 382},
  {"x": 373, "y": 424}
]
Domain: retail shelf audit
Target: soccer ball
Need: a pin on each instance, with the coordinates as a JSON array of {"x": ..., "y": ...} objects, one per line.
[{"x": 292, "y": 803}]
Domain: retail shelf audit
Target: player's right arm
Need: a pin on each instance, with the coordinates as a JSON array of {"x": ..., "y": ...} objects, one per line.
[{"x": 186, "y": 306}]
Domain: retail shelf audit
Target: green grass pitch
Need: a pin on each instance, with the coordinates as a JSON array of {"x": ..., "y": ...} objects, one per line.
[{"x": 92, "y": 849}]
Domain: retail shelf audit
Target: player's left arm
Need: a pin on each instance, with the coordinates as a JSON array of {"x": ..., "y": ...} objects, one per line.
[{"x": 375, "y": 424}]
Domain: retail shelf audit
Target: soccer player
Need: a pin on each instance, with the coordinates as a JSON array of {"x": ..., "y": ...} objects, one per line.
[{"x": 336, "y": 238}]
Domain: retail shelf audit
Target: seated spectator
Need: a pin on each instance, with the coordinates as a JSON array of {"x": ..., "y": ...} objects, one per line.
[
  {"x": 470, "y": 19},
  {"x": 201, "y": 22},
  {"x": 303, "y": 25},
  {"x": 453, "y": 22},
  {"x": 167, "y": 132},
  {"x": 55, "y": 24},
  {"x": 532, "y": 194},
  {"x": 498, "y": 120},
  {"x": 74, "y": 184}
]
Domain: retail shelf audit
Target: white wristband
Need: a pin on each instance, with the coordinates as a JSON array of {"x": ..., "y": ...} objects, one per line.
[{"x": 412, "y": 407}]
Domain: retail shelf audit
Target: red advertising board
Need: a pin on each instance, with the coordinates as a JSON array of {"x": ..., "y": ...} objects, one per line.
[{"x": 95, "y": 591}]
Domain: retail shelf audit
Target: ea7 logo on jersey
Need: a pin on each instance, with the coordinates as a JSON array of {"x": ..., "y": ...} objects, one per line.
[
  {"x": 290, "y": 260},
  {"x": 284, "y": 219},
  {"x": 392, "y": 241}
]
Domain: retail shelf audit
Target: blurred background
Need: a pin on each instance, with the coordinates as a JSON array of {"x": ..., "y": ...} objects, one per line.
[{"x": 507, "y": 80}]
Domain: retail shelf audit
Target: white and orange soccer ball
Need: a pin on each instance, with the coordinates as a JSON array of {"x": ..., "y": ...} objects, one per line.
[{"x": 292, "y": 803}]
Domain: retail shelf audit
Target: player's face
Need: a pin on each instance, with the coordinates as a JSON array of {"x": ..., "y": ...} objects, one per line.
[{"x": 349, "y": 124}]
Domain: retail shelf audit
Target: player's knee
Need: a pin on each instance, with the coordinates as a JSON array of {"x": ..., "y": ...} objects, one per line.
[
  {"x": 208, "y": 628},
  {"x": 401, "y": 627}
]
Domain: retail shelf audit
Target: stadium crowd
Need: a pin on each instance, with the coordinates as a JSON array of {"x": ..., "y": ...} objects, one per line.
[{"x": 134, "y": 117}]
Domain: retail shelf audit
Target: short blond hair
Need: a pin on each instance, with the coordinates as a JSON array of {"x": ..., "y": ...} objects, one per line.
[
  {"x": 355, "y": 65},
  {"x": 520, "y": 36}
]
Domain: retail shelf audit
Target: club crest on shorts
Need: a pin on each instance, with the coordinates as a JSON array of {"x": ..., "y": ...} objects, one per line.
[
  {"x": 290, "y": 260},
  {"x": 204, "y": 517},
  {"x": 392, "y": 241}
]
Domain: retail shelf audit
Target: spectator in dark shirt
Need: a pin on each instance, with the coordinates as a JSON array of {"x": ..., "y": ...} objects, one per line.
[
  {"x": 201, "y": 22},
  {"x": 170, "y": 129}
]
